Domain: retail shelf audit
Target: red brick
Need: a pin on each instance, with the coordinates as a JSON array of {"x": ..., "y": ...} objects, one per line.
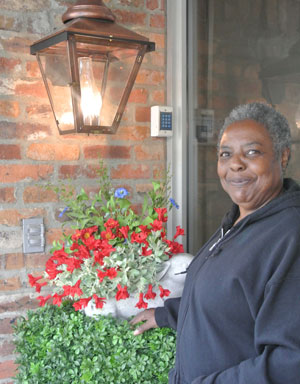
[
  {"x": 158, "y": 97},
  {"x": 69, "y": 171},
  {"x": 35, "y": 89},
  {"x": 10, "y": 151},
  {"x": 23, "y": 304},
  {"x": 6, "y": 348},
  {"x": 150, "y": 77},
  {"x": 8, "y": 65},
  {"x": 39, "y": 110},
  {"x": 145, "y": 187},
  {"x": 163, "y": 5},
  {"x": 138, "y": 96},
  {"x": 12, "y": 173},
  {"x": 9, "y": 108},
  {"x": 36, "y": 260},
  {"x": 159, "y": 40},
  {"x": 7, "y": 195},
  {"x": 34, "y": 194},
  {"x": 153, "y": 151},
  {"x": 42, "y": 151},
  {"x": 9, "y": 130},
  {"x": 131, "y": 133},
  {"x": 157, "y": 59},
  {"x": 10, "y": 284},
  {"x": 130, "y": 171},
  {"x": 30, "y": 5},
  {"x": 13, "y": 217},
  {"x": 135, "y": 3},
  {"x": 152, "y": 4},
  {"x": 33, "y": 69},
  {"x": 129, "y": 17},
  {"x": 157, "y": 21},
  {"x": 90, "y": 171},
  {"x": 56, "y": 234},
  {"x": 8, "y": 369},
  {"x": 15, "y": 44},
  {"x": 158, "y": 170},
  {"x": 107, "y": 152},
  {"x": 7, "y": 23},
  {"x": 142, "y": 114},
  {"x": 14, "y": 261}
]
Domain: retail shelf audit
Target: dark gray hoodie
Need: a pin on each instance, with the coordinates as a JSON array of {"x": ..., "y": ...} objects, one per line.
[{"x": 238, "y": 321}]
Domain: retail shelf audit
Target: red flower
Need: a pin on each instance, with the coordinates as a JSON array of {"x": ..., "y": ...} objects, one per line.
[
  {"x": 33, "y": 282},
  {"x": 161, "y": 214},
  {"x": 108, "y": 234},
  {"x": 179, "y": 232},
  {"x": 111, "y": 273},
  {"x": 101, "y": 275},
  {"x": 82, "y": 252},
  {"x": 163, "y": 292},
  {"x": 156, "y": 225},
  {"x": 43, "y": 300},
  {"x": 145, "y": 252},
  {"x": 140, "y": 237},
  {"x": 144, "y": 229},
  {"x": 111, "y": 223},
  {"x": 99, "y": 301},
  {"x": 124, "y": 231},
  {"x": 141, "y": 303},
  {"x": 72, "y": 291},
  {"x": 57, "y": 299},
  {"x": 73, "y": 263},
  {"x": 174, "y": 246},
  {"x": 52, "y": 273},
  {"x": 122, "y": 293},
  {"x": 150, "y": 294},
  {"x": 82, "y": 303}
]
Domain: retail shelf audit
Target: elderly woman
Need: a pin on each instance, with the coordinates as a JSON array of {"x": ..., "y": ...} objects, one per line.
[{"x": 238, "y": 320}]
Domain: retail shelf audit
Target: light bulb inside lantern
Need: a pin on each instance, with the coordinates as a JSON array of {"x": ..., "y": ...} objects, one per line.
[{"x": 91, "y": 100}]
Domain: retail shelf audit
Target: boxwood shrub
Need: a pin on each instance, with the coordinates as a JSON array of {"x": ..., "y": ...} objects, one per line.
[{"x": 58, "y": 345}]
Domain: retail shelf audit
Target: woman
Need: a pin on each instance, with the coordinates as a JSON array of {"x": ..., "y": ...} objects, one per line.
[{"x": 238, "y": 320}]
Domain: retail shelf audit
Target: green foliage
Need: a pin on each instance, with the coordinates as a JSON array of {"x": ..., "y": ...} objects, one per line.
[
  {"x": 58, "y": 345},
  {"x": 84, "y": 211}
]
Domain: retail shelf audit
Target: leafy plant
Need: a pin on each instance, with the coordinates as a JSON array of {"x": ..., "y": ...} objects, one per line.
[
  {"x": 114, "y": 251},
  {"x": 58, "y": 345}
]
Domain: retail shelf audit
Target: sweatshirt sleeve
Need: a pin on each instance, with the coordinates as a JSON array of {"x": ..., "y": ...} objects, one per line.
[
  {"x": 277, "y": 340},
  {"x": 167, "y": 315}
]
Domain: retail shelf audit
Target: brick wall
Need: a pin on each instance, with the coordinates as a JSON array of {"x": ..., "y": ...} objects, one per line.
[{"x": 32, "y": 153}]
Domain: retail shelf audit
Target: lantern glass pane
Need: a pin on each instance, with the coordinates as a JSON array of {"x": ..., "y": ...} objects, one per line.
[
  {"x": 56, "y": 74},
  {"x": 112, "y": 64}
]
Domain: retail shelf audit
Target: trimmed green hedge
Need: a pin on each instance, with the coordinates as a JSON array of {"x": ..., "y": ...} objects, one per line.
[{"x": 58, "y": 345}]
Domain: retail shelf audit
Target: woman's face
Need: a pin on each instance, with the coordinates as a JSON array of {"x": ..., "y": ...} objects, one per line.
[{"x": 247, "y": 167}]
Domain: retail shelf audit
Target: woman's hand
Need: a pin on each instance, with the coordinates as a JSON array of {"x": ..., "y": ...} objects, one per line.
[{"x": 149, "y": 321}]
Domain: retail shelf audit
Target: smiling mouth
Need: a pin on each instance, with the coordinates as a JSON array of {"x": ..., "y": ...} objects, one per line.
[{"x": 238, "y": 182}]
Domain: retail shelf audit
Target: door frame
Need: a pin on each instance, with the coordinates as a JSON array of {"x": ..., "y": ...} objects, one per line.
[{"x": 176, "y": 81}]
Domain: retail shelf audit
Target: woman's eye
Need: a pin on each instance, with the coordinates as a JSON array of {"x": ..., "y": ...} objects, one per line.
[
  {"x": 252, "y": 152},
  {"x": 224, "y": 154}
]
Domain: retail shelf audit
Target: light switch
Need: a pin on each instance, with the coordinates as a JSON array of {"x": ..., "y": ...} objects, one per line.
[{"x": 33, "y": 235}]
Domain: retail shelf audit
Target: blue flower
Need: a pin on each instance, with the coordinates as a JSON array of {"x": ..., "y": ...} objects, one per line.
[
  {"x": 173, "y": 202},
  {"x": 63, "y": 212},
  {"x": 121, "y": 193}
]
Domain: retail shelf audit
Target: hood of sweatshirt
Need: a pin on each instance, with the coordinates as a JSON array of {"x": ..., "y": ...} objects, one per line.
[{"x": 289, "y": 198}]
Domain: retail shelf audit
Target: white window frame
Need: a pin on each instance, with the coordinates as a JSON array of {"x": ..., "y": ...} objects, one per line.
[{"x": 176, "y": 80}]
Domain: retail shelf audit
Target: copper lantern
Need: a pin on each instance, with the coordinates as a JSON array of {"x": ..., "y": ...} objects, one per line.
[{"x": 89, "y": 68}]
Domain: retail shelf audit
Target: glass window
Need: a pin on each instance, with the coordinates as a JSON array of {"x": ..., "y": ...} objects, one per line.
[{"x": 238, "y": 51}]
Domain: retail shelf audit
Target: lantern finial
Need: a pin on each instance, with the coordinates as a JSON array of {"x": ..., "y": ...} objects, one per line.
[{"x": 94, "y": 9}]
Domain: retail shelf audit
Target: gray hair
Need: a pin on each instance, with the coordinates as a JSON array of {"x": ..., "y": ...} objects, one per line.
[{"x": 276, "y": 124}]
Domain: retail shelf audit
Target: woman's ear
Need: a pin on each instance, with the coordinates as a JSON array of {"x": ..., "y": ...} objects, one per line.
[{"x": 285, "y": 156}]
